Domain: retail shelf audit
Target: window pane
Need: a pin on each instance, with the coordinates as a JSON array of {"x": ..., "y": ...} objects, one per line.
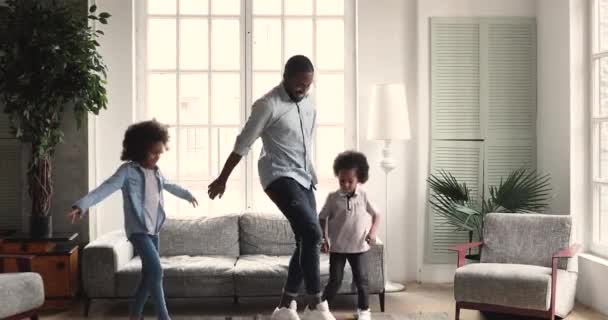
[
  {"x": 267, "y": 7},
  {"x": 330, "y": 44},
  {"x": 170, "y": 204},
  {"x": 162, "y": 97},
  {"x": 264, "y": 82},
  {"x": 267, "y": 44},
  {"x": 603, "y": 152},
  {"x": 324, "y": 187},
  {"x": 226, "y": 6},
  {"x": 328, "y": 149},
  {"x": 603, "y": 86},
  {"x": 232, "y": 201},
  {"x": 193, "y": 6},
  {"x": 298, "y": 7},
  {"x": 162, "y": 43},
  {"x": 261, "y": 202},
  {"x": 225, "y": 44},
  {"x": 193, "y": 44},
  {"x": 603, "y": 214},
  {"x": 222, "y": 143},
  {"x": 603, "y": 24},
  {"x": 168, "y": 161},
  {"x": 194, "y": 154},
  {"x": 161, "y": 6},
  {"x": 330, "y": 98},
  {"x": 194, "y": 103},
  {"x": 226, "y": 98},
  {"x": 330, "y": 7},
  {"x": 298, "y": 37}
]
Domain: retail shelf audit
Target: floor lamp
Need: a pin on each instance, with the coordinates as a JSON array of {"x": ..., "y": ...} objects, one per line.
[{"x": 388, "y": 121}]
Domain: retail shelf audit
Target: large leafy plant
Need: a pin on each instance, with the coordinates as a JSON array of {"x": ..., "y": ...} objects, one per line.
[
  {"x": 522, "y": 191},
  {"x": 49, "y": 63}
]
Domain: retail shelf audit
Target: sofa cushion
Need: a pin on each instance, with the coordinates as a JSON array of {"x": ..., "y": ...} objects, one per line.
[
  {"x": 262, "y": 275},
  {"x": 184, "y": 276},
  {"x": 213, "y": 235},
  {"x": 266, "y": 234},
  {"x": 20, "y": 292},
  {"x": 525, "y": 238},
  {"x": 512, "y": 285}
]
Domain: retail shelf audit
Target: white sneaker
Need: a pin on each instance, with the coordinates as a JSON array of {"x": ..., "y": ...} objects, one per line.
[
  {"x": 321, "y": 312},
  {"x": 364, "y": 314},
  {"x": 290, "y": 313}
]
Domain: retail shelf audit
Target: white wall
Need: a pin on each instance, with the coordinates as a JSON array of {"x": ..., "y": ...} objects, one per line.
[
  {"x": 426, "y": 10},
  {"x": 108, "y": 128},
  {"x": 553, "y": 120},
  {"x": 387, "y": 53},
  {"x": 592, "y": 282}
]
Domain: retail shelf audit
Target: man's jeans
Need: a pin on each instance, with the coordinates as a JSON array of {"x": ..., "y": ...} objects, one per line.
[{"x": 299, "y": 207}]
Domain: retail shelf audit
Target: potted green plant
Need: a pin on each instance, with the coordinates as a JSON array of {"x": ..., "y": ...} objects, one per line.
[
  {"x": 522, "y": 191},
  {"x": 49, "y": 63}
]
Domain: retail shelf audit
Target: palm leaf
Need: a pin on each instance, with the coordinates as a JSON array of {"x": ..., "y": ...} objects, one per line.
[
  {"x": 522, "y": 191},
  {"x": 447, "y": 185}
]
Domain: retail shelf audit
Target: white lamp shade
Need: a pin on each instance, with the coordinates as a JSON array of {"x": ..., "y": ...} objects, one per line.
[{"x": 388, "y": 116}]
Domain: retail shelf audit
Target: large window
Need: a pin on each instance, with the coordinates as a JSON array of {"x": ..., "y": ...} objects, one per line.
[
  {"x": 599, "y": 120},
  {"x": 201, "y": 64}
]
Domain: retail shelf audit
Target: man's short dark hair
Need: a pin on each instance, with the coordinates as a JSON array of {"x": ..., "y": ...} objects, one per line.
[
  {"x": 297, "y": 64},
  {"x": 140, "y": 137},
  {"x": 349, "y": 160}
]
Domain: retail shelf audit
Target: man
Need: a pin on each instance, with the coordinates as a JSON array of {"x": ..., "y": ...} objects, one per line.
[{"x": 285, "y": 118}]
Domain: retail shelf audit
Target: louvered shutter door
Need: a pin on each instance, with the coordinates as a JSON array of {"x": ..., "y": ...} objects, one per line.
[
  {"x": 455, "y": 75},
  {"x": 511, "y": 78},
  {"x": 484, "y": 69},
  {"x": 464, "y": 160}
]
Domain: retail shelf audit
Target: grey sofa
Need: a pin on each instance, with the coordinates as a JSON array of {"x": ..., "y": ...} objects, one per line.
[
  {"x": 528, "y": 267},
  {"x": 21, "y": 293},
  {"x": 240, "y": 255}
]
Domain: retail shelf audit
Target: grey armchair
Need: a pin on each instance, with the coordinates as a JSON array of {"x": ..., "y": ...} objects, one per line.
[{"x": 527, "y": 267}]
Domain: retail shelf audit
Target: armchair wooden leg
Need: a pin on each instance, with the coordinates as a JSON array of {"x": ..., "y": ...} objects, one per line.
[
  {"x": 381, "y": 296},
  {"x": 457, "y": 314}
]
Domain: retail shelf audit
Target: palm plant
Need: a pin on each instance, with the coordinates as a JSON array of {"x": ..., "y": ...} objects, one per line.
[{"x": 523, "y": 191}]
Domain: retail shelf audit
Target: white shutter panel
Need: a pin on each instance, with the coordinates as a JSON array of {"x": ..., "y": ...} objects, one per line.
[
  {"x": 502, "y": 157},
  {"x": 455, "y": 78},
  {"x": 10, "y": 184},
  {"x": 464, "y": 160},
  {"x": 510, "y": 76},
  {"x": 511, "y": 97}
]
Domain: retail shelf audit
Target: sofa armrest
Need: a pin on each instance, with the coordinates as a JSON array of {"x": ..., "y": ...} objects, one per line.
[
  {"x": 462, "y": 250},
  {"x": 101, "y": 260},
  {"x": 376, "y": 267},
  {"x": 569, "y": 252}
]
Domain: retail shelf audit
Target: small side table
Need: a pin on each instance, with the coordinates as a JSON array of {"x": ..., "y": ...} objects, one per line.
[{"x": 56, "y": 260}]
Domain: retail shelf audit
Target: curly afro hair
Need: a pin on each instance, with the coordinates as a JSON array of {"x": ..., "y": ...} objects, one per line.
[
  {"x": 140, "y": 137},
  {"x": 348, "y": 160}
]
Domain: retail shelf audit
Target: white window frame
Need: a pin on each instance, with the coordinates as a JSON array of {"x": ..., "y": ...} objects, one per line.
[
  {"x": 596, "y": 245},
  {"x": 351, "y": 116}
]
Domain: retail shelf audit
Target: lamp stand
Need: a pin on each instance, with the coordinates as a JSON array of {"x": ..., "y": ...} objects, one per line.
[{"x": 388, "y": 163}]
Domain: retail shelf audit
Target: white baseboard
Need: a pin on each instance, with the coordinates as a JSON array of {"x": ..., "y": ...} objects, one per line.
[{"x": 437, "y": 273}]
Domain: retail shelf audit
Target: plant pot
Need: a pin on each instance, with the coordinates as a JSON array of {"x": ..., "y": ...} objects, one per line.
[
  {"x": 472, "y": 258},
  {"x": 41, "y": 226}
]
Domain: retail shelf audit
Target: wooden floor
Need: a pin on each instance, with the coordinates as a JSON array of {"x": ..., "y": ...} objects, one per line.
[{"x": 418, "y": 298}]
